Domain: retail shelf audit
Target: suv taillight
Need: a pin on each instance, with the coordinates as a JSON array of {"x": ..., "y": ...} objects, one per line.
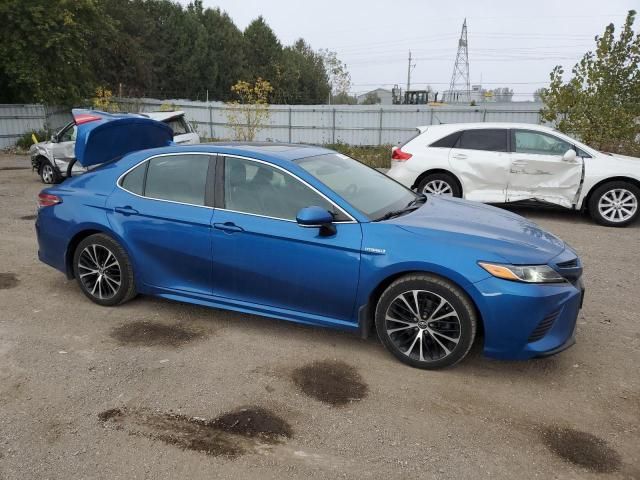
[
  {"x": 398, "y": 154},
  {"x": 48, "y": 200}
]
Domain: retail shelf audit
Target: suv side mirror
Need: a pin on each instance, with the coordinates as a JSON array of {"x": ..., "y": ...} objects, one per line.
[
  {"x": 569, "y": 156},
  {"x": 316, "y": 217},
  {"x": 54, "y": 138}
]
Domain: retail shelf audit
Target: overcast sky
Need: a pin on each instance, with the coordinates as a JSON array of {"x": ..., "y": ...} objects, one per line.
[{"x": 511, "y": 43}]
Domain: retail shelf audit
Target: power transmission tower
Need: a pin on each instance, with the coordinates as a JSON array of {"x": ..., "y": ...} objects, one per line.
[{"x": 460, "y": 87}]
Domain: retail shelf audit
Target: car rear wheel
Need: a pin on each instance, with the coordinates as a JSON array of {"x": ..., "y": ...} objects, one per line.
[
  {"x": 48, "y": 173},
  {"x": 615, "y": 204},
  {"x": 440, "y": 184},
  {"x": 103, "y": 270},
  {"x": 426, "y": 321}
]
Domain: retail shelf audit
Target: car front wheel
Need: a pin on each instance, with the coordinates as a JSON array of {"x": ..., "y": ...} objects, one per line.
[
  {"x": 48, "y": 173},
  {"x": 615, "y": 204},
  {"x": 103, "y": 270},
  {"x": 426, "y": 321}
]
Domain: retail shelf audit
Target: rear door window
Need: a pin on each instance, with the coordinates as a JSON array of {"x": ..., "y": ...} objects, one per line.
[
  {"x": 178, "y": 178},
  {"x": 487, "y": 139}
]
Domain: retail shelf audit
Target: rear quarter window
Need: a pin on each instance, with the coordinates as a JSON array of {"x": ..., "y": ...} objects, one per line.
[{"x": 447, "y": 142}]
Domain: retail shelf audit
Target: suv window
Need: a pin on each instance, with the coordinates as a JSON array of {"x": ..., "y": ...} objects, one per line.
[
  {"x": 527, "y": 141},
  {"x": 68, "y": 134},
  {"x": 447, "y": 142},
  {"x": 253, "y": 187},
  {"x": 179, "y": 178},
  {"x": 178, "y": 125},
  {"x": 489, "y": 139}
]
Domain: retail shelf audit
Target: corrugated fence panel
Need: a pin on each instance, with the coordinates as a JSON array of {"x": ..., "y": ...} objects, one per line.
[
  {"x": 16, "y": 120},
  {"x": 316, "y": 124}
]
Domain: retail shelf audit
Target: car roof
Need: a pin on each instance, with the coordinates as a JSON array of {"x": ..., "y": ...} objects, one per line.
[
  {"x": 452, "y": 127},
  {"x": 267, "y": 151}
]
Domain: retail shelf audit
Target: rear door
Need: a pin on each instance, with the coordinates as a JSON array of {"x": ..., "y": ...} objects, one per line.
[
  {"x": 538, "y": 171},
  {"x": 160, "y": 210},
  {"x": 262, "y": 256},
  {"x": 481, "y": 161}
]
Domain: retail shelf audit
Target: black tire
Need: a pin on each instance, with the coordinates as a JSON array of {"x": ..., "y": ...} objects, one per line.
[
  {"x": 49, "y": 174},
  {"x": 106, "y": 294},
  {"x": 433, "y": 289},
  {"x": 615, "y": 217},
  {"x": 443, "y": 179}
]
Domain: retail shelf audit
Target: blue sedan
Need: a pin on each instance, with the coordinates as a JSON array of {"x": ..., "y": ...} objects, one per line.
[{"x": 305, "y": 234}]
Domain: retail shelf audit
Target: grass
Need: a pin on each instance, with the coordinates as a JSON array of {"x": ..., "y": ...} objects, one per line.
[{"x": 376, "y": 156}]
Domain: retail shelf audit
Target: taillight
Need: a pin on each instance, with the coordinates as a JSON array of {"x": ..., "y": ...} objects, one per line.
[
  {"x": 48, "y": 200},
  {"x": 398, "y": 154}
]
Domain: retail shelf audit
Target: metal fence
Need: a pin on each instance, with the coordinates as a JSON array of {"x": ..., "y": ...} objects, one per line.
[
  {"x": 16, "y": 120},
  {"x": 349, "y": 124},
  {"x": 316, "y": 124}
]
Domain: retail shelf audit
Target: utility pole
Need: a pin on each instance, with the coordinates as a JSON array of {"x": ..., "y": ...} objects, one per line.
[{"x": 409, "y": 73}]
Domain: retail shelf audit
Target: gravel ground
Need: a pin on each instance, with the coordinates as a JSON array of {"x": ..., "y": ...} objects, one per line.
[{"x": 155, "y": 389}]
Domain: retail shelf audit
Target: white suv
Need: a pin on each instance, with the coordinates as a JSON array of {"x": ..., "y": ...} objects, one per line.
[{"x": 504, "y": 162}]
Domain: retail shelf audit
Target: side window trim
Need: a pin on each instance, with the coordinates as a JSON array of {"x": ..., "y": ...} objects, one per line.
[
  {"x": 146, "y": 170},
  {"x": 286, "y": 172}
]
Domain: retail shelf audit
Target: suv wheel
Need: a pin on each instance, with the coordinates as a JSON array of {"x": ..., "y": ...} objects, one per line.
[
  {"x": 48, "y": 173},
  {"x": 615, "y": 204},
  {"x": 103, "y": 270},
  {"x": 440, "y": 184},
  {"x": 426, "y": 321}
]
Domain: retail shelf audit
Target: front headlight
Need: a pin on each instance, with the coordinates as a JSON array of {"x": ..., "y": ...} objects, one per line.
[{"x": 523, "y": 273}]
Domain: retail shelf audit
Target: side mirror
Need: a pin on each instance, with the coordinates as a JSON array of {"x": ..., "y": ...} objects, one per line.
[
  {"x": 54, "y": 138},
  {"x": 316, "y": 217},
  {"x": 569, "y": 156}
]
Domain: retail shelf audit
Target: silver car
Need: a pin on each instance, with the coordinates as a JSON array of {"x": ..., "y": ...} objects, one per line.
[{"x": 51, "y": 158}]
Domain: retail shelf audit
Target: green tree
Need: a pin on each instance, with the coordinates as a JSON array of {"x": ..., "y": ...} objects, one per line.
[
  {"x": 48, "y": 49},
  {"x": 262, "y": 51},
  {"x": 301, "y": 76},
  {"x": 600, "y": 103}
]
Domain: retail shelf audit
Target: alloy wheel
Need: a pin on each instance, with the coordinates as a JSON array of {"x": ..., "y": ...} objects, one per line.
[
  {"x": 438, "y": 187},
  {"x": 423, "y": 325},
  {"x": 47, "y": 173},
  {"x": 99, "y": 271},
  {"x": 618, "y": 205}
]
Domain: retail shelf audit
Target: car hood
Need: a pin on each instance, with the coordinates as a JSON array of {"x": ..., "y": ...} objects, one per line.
[
  {"x": 102, "y": 136},
  {"x": 483, "y": 227},
  {"x": 625, "y": 162}
]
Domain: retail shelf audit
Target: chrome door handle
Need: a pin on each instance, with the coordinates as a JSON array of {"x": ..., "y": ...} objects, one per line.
[
  {"x": 126, "y": 210},
  {"x": 228, "y": 227},
  {"x": 519, "y": 163},
  {"x": 460, "y": 156}
]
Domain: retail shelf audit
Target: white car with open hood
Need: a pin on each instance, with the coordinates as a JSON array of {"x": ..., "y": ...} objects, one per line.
[{"x": 510, "y": 162}]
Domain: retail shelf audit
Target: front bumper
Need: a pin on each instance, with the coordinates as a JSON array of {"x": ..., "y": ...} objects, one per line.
[{"x": 523, "y": 321}]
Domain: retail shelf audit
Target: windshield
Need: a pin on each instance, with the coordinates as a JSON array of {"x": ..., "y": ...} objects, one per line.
[{"x": 369, "y": 191}]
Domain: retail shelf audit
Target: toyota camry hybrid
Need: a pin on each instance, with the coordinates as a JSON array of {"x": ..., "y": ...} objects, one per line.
[{"x": 305, "y": 234}]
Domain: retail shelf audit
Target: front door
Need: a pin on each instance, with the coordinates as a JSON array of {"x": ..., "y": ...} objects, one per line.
[
  {"x": 538, "y": 171},
  {"x": 64, "y": 147},
  {"x": 481, "y": 160},
  {"x": 262, "y": 256},
  {"x": 160, "y": 210}
]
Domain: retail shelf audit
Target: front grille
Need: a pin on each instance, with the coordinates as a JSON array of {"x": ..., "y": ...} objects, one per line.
[
  {"x": 543, "y": 327},
  {"x": 568, "y": 264}
]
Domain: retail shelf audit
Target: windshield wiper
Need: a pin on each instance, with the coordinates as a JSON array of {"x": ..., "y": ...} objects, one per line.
[{"x": 421, "y": 198}]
